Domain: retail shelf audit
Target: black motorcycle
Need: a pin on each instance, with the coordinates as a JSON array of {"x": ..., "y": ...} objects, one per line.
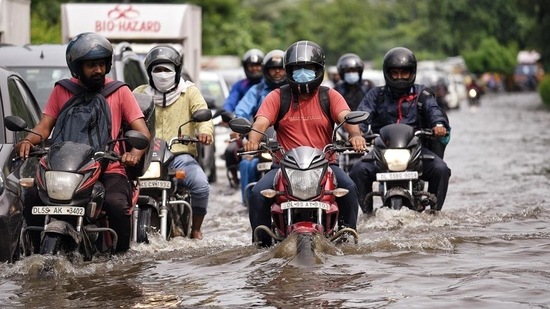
[
  {"x": 396, "y": 152},
  {"x": 161, "y": 207},
  {"x": 67, "y": 182}
]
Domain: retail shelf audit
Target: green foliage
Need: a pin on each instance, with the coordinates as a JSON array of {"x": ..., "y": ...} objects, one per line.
[
  {"x": 487, "y": 33},
  {"x": 491, "y": 56},
  {"x": 544, "y": 89}
]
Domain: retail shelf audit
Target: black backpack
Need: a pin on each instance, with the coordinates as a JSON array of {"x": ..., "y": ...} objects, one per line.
[
  {"x": 86, "y": 117},
  {"x": 286, "y": 97}
]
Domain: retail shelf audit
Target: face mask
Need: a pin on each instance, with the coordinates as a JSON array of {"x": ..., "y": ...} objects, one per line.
[
  {"x": 164, "y": 81},
  {"x": 303, "y": 75},
  {"x": 351, "y": 77}
]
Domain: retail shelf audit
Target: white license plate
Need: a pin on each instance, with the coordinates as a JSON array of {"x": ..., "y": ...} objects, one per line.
[
  {"x": 264, "y": 166},
  {"x": 305, "y": 204},
  {"x": 155, "y": 184},
  {"x": 397, "y": 176},
  {"x": 58, "y": 210}
]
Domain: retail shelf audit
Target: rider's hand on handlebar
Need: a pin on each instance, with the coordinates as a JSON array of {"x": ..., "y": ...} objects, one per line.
[
  {"x": 250, "y": 146},
  {"x": 439, "y": 130},
  {"x": 359, "y": 143},
  {"x": 24, "y": 148},
  {"x": 205, "y": 138},
  {"x": 130, "y": 159}
]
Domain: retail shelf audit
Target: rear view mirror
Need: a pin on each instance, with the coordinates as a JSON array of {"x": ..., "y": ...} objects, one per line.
[{"x": 240, "y": 125}]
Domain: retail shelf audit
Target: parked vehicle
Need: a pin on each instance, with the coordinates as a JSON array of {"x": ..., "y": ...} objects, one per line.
[
  {"x": 67, "y": 182},
  {"x": 161, "y": 207},
  {"x": 304, "y": 190},
  {"x": 16, "y": 99},
  {"x": 43, "y": 65},
  {"x": 396, "y": 152}
]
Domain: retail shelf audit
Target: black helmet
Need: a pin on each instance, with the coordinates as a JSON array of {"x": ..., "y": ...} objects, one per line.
[
  {"x": 253, "y": 56},
  {"x": 304, "y": 53},
  {"x": 399, "y": 57},
  {"x": 273, "y": 59},
  {"x": 163, "y": 54},
  {"x": 88, "y": 46},
  {"x": 349, "y": 61}
]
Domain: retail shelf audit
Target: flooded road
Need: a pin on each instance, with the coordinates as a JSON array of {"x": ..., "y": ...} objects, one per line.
[{"x": 488, "y": 248}]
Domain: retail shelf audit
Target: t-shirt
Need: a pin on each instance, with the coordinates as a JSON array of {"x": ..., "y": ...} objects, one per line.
[
  {"x": 123, "y": 106},
  {"x": 306, "y": 125}
]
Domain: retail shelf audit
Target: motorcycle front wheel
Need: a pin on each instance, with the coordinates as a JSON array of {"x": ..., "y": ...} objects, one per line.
[
  {"x": 50, "y": 244},
  {"x": 147, "y": 222}
]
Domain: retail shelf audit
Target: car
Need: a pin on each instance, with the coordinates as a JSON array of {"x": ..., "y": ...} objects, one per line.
[
  {"x": 16, "y": 99},
  {"x": 42, "y": 65},
  {"x": 375, "y": 76},
  {"x": 214, "y": 89}
]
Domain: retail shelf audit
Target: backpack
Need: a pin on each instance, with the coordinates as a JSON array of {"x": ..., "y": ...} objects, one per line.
[
  {"x": 86, "y": 117},
  {"x": 286, "y": 96}
]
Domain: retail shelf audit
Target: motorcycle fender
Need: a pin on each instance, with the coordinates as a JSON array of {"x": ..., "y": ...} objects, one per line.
[
  {"x": 63, "y": 228},
  {"x": 401, "y": 192}
]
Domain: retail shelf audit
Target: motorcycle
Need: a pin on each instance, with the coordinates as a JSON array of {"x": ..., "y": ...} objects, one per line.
[
  {"x": 474, "y": 96},
  {"x": 67, "y": 182},
  {"x": 305, "y": 188},
  {"x": 161, "y": 207},
  {"x": 396, "y": 152}
]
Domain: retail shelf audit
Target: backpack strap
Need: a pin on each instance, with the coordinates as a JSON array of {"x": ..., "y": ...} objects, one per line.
[
  {"x": 74, "y": 88},
  {"x": 111, "y": 87},
  {"x": 286, "y": 96}
]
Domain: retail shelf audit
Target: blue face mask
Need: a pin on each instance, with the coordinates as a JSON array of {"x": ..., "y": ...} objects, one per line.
[
  {"x": 303, "y": 75},
  {"x": 351, "y": 77}
]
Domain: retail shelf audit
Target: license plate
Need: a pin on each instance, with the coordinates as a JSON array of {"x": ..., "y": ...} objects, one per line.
[
  {"x": 58, "y": 210},
  {"x": 156, "y": 184},
  {"x": 264, "y": 166},
  {"x": 305, "y": 204},
  {"x": 397, "y": 176}
]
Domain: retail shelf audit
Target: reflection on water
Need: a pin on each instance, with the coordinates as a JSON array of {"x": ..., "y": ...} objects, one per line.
[{"x": 485, "y": 249}]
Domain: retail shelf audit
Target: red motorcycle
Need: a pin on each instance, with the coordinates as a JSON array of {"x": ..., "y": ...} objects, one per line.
[{"x": 305, "y": 191}]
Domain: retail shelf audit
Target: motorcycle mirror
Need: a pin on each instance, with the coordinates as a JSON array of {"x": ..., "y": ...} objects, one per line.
[
  {"x": 227, "y": 116},
  {"x": 137, "y": 139},
  {"x": 201, "y": 115},
  {"x": 356, "y": 117},
  {"x": 240, "y": 125},
  {"x": 15, "y": 123}
]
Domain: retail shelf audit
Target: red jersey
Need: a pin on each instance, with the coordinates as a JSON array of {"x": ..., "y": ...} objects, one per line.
[{"x": 306, "y": 125}]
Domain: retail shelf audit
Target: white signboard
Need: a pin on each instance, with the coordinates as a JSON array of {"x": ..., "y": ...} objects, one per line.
[{"x": 126, "y": 21}]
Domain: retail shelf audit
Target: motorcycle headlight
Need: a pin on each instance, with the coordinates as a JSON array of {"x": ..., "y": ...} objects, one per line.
[
  {"x": 472, "y": 93},
  {"x": 397, "y": 159},
  {"x": 62, "y": 185},
  {"x": 304, "y": 184},
  {"x": 152, "y": 172}
]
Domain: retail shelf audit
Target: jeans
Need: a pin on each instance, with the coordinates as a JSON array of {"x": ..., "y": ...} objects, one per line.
[
  {"x": 249, "y": 173},
  {"x": 260, "y": 206},
  {"x": 195, "y": 181},
  {"x": 434, "y": 171}
]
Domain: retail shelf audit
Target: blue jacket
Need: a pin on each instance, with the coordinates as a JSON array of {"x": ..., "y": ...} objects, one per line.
[
  {"x": 385, "y": 110},
  {"x": 250, "y": 103},
  {"x": 236, "y": 93}
]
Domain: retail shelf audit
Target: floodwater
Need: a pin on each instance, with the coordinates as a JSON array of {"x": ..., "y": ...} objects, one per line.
[{"x": 488, "y": 248}]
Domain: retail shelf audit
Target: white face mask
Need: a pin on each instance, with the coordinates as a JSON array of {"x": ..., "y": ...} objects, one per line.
[{"x": 164, "y": 81}]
